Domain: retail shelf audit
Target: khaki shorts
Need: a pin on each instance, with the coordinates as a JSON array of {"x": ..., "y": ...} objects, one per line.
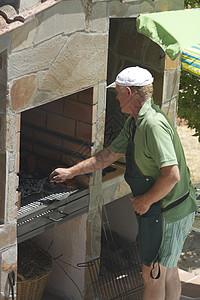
[{"x": 174, "y": 235}]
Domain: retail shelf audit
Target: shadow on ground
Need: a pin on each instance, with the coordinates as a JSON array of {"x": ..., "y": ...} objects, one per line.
[{"x": 190, "y": 258}]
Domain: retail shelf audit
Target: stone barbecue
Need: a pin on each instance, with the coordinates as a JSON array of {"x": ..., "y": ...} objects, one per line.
[{"x": 56, "y": 58}]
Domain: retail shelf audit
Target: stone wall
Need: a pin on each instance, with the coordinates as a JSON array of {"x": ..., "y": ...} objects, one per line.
[
  {"x": 3, "y": 83},
  {"x": 55, "y": 45}
]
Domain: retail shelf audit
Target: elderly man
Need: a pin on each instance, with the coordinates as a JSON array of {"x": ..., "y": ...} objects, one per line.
[{"x": 163, "y": 196}]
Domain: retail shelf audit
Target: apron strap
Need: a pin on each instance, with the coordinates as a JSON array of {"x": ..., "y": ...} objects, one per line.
[
  {"x": 175, "y": 203},
  {"x": 151, "y": 273}
]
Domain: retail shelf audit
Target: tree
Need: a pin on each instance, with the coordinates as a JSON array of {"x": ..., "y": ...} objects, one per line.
[
  {"x": 189, "y": 100},
  {"x": 189, "y": 95},
  {"x": 192, "y": 3}
]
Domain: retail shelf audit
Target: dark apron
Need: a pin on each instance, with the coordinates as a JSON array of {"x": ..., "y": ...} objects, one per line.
[{"x": 150, "y": 223}]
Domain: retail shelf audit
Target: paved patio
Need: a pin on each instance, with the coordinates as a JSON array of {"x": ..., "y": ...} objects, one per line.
[
  {"x": 47, "y": 296},
  {"x": 190, "y": 285}
]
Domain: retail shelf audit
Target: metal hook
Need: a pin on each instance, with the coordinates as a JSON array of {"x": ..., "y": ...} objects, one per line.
[{"x": 11, "y": 278}]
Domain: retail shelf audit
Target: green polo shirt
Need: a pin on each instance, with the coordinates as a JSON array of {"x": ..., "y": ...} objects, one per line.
[{"x": 157, "y": 145}]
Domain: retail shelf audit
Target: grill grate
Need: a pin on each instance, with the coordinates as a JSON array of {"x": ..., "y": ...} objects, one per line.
[
  {"x": 40, "y": 212},
  {"x": 29, "y": 207},
  {"x": 41, "y": 207},
  {"x": 47, "y": 200},
  {"x": 118, "y": 275}
]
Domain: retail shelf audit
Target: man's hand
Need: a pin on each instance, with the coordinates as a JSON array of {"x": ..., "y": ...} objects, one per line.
[
  {"x": 140, "y": 204},
  {"x": 60, "y": 175},
  {"x": 163, "y": 185}
]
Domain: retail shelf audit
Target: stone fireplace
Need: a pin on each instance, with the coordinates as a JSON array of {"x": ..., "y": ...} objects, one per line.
[
  {"x": 55, "y": 110},
  {"x": 58, "y": 133},
  {"x": 55, "y": 134}
]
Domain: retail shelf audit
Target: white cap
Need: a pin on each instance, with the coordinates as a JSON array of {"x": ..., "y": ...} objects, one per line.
[{"x": 132, "y": 76}]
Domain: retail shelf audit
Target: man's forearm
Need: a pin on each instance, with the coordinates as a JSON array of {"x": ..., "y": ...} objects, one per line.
[{"x": 97, "y": 162}]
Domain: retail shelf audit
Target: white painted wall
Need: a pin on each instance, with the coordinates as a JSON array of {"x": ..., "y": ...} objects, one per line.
[
  {"x": 68, "y": 239},
  {"x": 122, "y": 219}
]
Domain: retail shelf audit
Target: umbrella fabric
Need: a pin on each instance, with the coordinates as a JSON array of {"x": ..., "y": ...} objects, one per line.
[
  {"x": 190, "y": 59},
  {"x": 172, "y": 30}
]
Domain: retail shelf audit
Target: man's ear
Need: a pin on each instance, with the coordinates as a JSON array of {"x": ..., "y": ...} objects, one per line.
[{"x": 129, "y": 91}]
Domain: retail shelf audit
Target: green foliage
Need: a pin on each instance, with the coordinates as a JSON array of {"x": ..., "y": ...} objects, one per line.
[
  {"x": 189, "y": 100},
  {"x": 192, "y": 3},
  {"x": 189, "y": 94}
]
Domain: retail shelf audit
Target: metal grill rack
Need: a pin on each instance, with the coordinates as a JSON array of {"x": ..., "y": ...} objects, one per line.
[
  {"x": 117, "y": 276},
  {"x": 37, "y": 205},
  {"x": 37, "y": 215}
]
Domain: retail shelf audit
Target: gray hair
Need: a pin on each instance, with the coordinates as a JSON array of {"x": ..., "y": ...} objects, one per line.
[{"x": 144, "y": 92}]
